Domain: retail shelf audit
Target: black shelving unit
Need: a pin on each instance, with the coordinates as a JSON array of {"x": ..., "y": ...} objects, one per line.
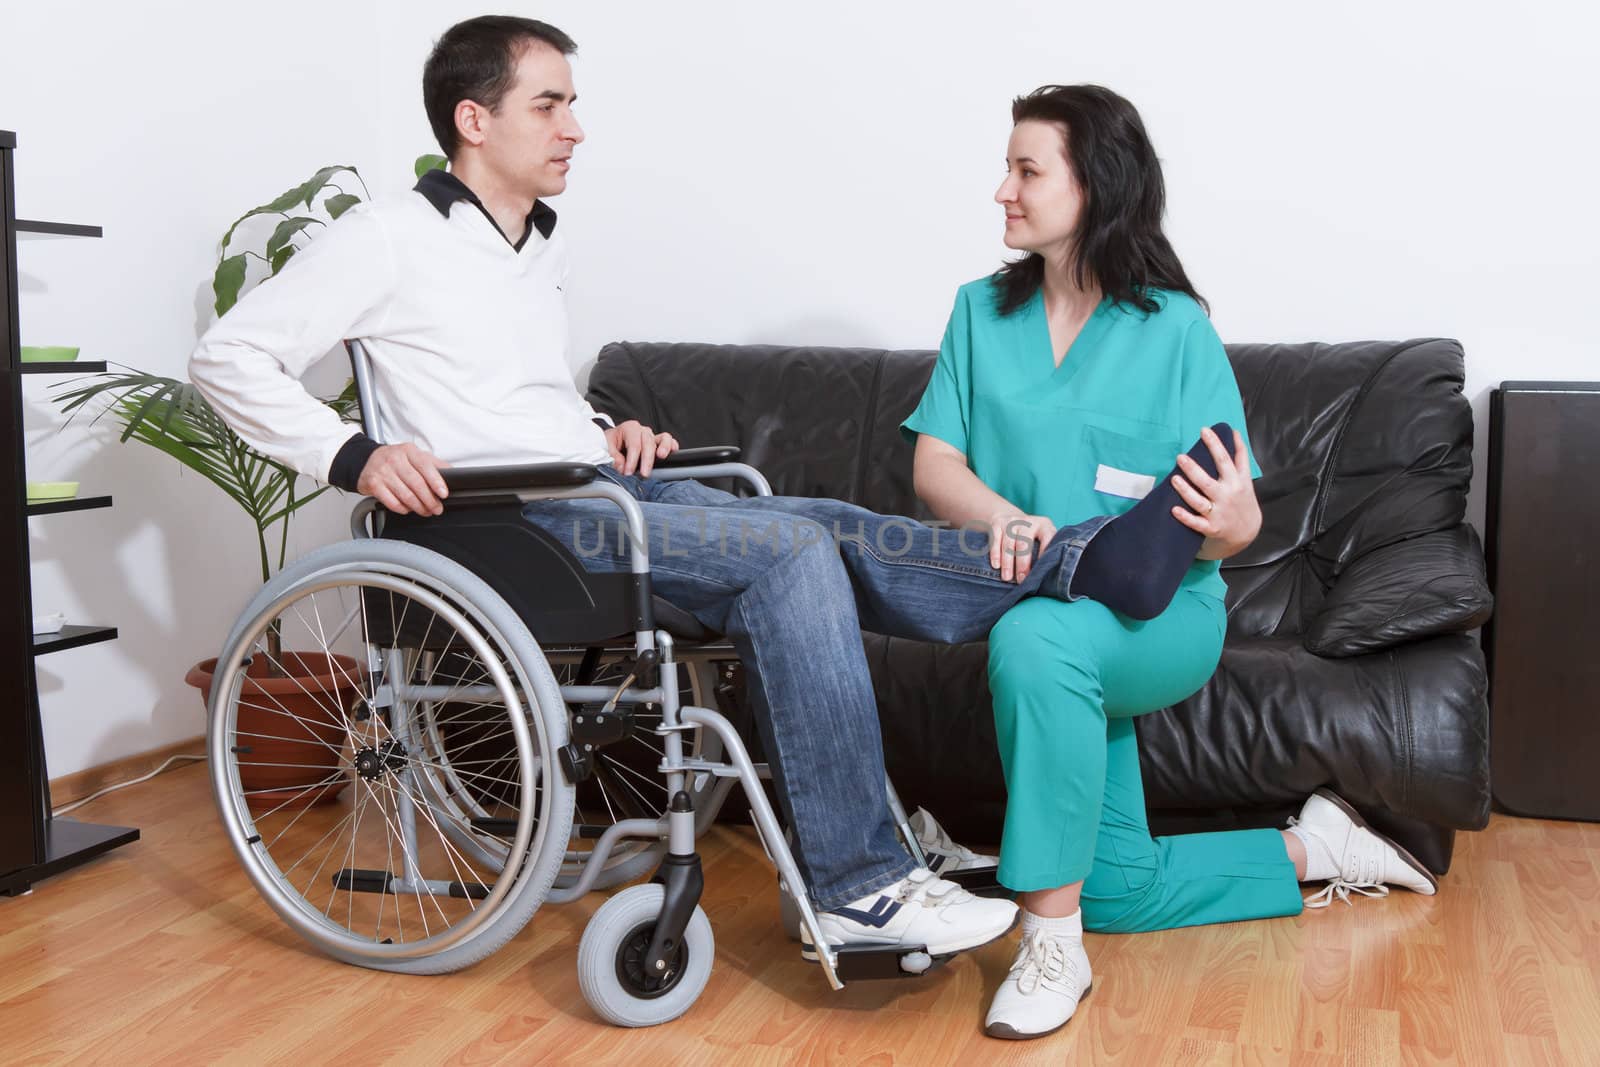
[
  {"x": 57, "y": 229},
  {"x": 33, "y": 844},
  {"x": 79, "y": 503},
  {"x": 74, "y": 367},
  {"x": 75, "y": 636}
]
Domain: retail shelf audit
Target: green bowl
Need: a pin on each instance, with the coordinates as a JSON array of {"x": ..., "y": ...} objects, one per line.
[
  {"x": 40, "y": 492},
  {"x": 48, "y": 354}
]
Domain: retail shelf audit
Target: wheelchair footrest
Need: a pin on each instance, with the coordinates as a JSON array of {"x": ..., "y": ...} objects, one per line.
[
  {"x": 980, "y": 882},
  {"x": 867, "y": 962}
]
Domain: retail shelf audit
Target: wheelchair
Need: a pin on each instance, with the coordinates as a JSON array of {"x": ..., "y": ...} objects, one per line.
[{"x": 486, "y": 727}]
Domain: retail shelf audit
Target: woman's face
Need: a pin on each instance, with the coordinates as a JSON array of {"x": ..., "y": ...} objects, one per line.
[{"x": 1041, "y": 196}]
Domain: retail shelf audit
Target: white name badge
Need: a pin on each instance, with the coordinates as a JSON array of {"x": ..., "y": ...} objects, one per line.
[{"x": 1123, "y": 483}]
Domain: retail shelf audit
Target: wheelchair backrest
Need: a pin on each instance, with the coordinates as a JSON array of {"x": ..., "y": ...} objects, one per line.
[{"x": 366, "y": 395}]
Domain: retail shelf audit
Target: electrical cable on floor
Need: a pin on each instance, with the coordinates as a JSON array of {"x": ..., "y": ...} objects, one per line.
[{"x": 121, "y": 785}]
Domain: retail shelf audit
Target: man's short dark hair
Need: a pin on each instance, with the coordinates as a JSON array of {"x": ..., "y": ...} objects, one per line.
[{"x": 477, "y": 60}]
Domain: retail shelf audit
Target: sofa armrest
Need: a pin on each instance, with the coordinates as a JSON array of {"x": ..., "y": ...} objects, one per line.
[{"x": 1421, "y": 587}]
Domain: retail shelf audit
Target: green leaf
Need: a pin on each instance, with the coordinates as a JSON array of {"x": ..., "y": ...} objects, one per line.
[
  {"x": 227, "y": 281},
  {"x": 280, "y": 257},
  {"x": 347, "y": 404},
  {"x": 339, "y": 204},
  {"x": 299, "y": 503},
  {"x": 314, "y": 184},
  {"x": 283, "y": 203},
  {"x": 303, "y": 193},
  {"x": 426, "y": 163},
  {"x": 286, "y": 230},
  {"x": 174, "y": 417}
]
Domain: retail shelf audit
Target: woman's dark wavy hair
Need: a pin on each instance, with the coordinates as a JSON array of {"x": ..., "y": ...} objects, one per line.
[{"x": 1120, "y": 243}]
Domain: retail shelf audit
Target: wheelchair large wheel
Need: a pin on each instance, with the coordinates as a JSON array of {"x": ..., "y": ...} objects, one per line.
[{"x": 332, "y": 800}]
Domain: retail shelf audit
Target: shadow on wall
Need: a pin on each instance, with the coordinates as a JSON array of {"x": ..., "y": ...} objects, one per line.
[{"x": 1478, "y": 492}]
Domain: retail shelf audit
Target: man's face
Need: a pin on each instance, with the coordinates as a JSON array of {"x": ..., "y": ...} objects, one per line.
[{"x": 528, "y": 140}]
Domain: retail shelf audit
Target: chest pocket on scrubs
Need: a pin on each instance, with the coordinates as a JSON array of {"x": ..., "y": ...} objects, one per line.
[{"x": 1126, "y": 468}]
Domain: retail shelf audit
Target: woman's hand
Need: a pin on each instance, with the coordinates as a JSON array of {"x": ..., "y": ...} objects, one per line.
[
  {"x": 1015, "y": 541},
  {"x": 1222, "y": 509},
  {"x": 635, "y": 447}
]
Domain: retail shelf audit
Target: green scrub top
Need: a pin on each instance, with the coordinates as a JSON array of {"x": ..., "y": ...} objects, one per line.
[{"x": 1093, "y": 435}]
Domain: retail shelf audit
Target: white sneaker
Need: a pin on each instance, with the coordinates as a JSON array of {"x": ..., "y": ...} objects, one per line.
[
  {"x": 944, "y": 855},
  {"x": 1049, "y": 977},
  {"x": 920, "y": 909},
  {"x": 1342, "y": 848}
]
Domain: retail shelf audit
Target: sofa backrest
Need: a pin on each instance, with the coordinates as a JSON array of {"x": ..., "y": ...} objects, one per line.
[{"x": 1360, "y": 444}]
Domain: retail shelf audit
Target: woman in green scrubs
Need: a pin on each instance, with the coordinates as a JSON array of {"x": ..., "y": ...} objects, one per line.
[{"x": 1067, "y": 386}]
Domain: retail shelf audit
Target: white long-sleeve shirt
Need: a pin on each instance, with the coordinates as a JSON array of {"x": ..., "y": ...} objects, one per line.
[{"x": 467, "y": 335}]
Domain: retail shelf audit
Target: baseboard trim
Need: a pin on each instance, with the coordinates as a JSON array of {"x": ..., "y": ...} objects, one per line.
[{"x": 90, "y": 780}]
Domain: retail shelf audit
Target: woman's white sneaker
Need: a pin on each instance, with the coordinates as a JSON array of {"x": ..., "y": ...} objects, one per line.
[
  {"x": 920, "y": 909},
  {"x": 1047, "y": 980},
  {"x": 1350, "y": 856}
]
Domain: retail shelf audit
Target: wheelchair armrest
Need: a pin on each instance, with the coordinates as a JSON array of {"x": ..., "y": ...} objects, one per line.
[
  {"x": 695, "y": 457},
  {"x": 716, "y": 461},
  {"x": 479, "y": 486},
  {"x": 512, "y": 477}
]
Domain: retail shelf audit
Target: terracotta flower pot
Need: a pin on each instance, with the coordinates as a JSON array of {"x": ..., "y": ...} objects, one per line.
[{"x": 293, "y": 725}]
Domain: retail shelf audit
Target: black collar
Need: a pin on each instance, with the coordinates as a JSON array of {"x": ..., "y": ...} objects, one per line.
[{"x": 442, "y": 189}]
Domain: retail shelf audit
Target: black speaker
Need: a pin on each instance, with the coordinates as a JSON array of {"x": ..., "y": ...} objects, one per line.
[{"x": 1543, "y": 545}]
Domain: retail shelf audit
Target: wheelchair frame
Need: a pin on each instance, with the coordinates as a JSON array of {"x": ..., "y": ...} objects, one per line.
[{"x": 655, "y": 655}]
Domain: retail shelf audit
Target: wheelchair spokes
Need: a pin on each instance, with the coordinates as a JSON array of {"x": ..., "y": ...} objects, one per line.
[
  {"x": 414, "y": 771},
  {"x": 626, "y": 782}
]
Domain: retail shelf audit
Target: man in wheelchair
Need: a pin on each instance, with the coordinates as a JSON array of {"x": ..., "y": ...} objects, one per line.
[{"x": 455, "y": 290}]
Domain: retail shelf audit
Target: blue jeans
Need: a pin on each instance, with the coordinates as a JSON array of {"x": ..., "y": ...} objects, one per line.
[{"x": 791, "y": 582}]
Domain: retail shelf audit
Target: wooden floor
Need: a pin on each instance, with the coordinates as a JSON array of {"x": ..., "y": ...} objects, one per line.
[{"x": 162, "y": 953}]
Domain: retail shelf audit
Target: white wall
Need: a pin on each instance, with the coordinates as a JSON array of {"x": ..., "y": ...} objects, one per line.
[
  {"x": 754, "y": 173},
  {"x": 162, "y": 122}
]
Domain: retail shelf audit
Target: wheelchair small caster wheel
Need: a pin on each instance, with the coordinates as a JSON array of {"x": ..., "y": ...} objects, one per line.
[
  {"x": 611, "y": 971},
  {"x": 916, "y": 962}
]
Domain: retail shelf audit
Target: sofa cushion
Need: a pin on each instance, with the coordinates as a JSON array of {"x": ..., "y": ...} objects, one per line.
[
  {"x": 1361, "y": 445},
  {"x": 800, "y": 414},
  {"x": 1419, "y": 587}
]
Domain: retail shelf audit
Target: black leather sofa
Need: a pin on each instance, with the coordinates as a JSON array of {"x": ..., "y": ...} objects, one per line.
[{"x": 1349, "y": 662}]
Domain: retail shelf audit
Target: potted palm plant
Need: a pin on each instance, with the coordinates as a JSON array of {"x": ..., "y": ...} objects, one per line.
[{"x": 291, "y": 702}]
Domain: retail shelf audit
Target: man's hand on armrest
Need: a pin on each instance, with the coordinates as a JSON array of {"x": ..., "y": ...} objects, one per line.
[
  {"x": 405, "y": 479},
  {"x": 635, "y": 447}
]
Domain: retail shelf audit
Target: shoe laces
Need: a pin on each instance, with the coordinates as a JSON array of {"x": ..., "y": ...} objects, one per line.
[
  {"x": 1341, "y": 888},
  {"x": 1042, "y": 958},
  {"x": 1360, "y": 871}
]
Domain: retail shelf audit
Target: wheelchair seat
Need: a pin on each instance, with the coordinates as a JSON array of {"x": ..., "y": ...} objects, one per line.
[
  {"x": 685, "y": 628},
  {"x": 561, "y": 601}
]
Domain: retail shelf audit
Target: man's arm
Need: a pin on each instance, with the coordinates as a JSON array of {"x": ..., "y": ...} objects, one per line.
[{"x": 248, "y": 364}]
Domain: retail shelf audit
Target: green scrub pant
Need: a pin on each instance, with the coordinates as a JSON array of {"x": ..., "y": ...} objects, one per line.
[{"x": 1067, "y": 680}]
